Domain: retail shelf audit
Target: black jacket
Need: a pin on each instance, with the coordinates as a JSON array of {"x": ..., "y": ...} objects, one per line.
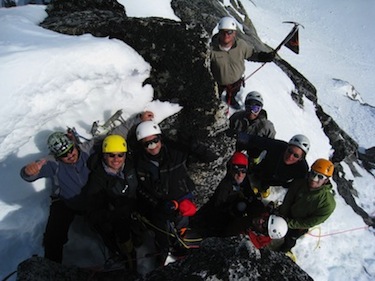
[
  {"x": 272, "y": 171},
  {"x": 110, "y": 195}
]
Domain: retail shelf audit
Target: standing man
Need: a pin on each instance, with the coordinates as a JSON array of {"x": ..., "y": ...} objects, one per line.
[
  {"x": 281, "y": 163},
  {"x": 227, "y": 59},
  {"x": 308, "y": 202}
]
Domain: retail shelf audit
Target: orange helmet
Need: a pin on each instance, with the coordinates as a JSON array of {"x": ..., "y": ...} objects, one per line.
[{"x": 323, "y": 166}]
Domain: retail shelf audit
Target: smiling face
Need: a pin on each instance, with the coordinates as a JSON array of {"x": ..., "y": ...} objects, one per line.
[
  {"x": 316, "y": 180},
  {"x": 293, "y": 154},
  {"x": 115, "y": 160},
  {"x": 152, "y": 144},
  {"x": 227, "y": 37},
  {"x": 71, "y": 156}
]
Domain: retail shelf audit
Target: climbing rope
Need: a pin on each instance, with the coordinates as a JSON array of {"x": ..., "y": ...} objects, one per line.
[{"x": 319, "y": 236}]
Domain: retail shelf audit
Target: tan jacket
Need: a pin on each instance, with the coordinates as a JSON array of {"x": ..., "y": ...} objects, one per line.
[{"x": 228, "y": 67}]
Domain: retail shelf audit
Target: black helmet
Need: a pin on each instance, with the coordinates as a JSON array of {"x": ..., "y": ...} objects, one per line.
[{"x": 59, "y": 143}]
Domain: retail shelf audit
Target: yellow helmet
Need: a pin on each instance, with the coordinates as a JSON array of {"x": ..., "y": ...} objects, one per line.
[
  {"x": 323, "y": 166},
  {"x": 114, "y": 143}
]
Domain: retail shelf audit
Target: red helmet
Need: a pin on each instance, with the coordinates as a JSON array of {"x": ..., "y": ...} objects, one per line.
[{"x": 239, "y": 159}]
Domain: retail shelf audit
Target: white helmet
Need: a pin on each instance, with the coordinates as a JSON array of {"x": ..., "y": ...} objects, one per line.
[
  {"x": 254, "y": 96},
  {"x": 300, "y": 141},
  {"x": 277, "y": 227},
  {"x": 146, "y": 129},
  {"x": 227, "y": 23}
]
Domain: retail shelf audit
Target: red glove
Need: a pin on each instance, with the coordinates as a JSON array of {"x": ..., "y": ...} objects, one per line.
[{"x": 187, "y": 208}]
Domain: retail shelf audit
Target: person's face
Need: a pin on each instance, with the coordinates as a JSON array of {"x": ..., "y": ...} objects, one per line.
[
  {"x": 260, "y": 224},
  {"x": 152, "y": 144},
  {"x": 253, "y": 110},
  {"x": 226, "y": 37},
  {"x": 316, "y": 180},
  {"x": 293, "y": 154},
  {"x": 115, "y": 160},
  {"x": 71, "y": 156},
  {"x": 239, "y": 174}
]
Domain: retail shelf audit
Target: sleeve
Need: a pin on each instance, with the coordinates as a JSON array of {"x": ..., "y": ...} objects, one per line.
[
  {"x": 47, "y": 171},
  {"x": 124, "y": 128}
]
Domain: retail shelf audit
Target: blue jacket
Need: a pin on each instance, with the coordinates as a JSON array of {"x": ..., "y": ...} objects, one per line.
[{"x": 67, "y": 179}]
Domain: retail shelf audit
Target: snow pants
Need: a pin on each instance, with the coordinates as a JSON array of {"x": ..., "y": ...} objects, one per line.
[{"x": 56, "y": 233}]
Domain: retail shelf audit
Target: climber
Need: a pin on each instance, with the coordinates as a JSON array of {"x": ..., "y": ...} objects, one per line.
[
  {"x": 281, "y": 162},
  {"x": 228, "y": 53},
  {"x": 231, "y": 199},
  {"x": 308, "y": 202},
  {"x": 111, "y": 196},
  {"x": 165, "y": 191}
]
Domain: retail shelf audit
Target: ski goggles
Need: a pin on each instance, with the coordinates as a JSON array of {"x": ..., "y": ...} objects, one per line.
[
  {"x": 151, "y": 144},
  {"x": 66, "y": 153},
  {"x": 253, "y": 108},
  {"x": 317, "y": 176}
]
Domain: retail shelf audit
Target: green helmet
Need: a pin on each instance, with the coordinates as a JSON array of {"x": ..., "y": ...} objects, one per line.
[{"x": 59, "y": 143}]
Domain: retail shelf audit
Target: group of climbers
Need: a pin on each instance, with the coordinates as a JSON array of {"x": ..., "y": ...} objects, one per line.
[{"x": 137, "y": 173}]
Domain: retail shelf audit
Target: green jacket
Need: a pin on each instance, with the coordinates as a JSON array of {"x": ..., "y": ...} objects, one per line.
[
  {"x": 228, "y": 67},
  {"x": 304, "y": 208}
]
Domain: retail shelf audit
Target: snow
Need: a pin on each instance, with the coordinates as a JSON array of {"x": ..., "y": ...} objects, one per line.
[{"x": 50, "y": 81}]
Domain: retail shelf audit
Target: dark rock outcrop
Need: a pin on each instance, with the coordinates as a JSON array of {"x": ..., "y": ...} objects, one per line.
[{"x": 217, "y": 259}]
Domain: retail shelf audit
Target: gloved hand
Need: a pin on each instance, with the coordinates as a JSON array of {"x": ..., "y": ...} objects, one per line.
[
  {"x": 187, "y": 208},
  {"x": 266, "y": 57},
  {"x": 242, "y": 141}
]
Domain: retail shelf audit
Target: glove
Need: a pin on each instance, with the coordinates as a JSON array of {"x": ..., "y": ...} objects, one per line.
[
  {"x": 266, "y": 57},
  {"x": 187, "y": 208},
  {"x": 242, "y": 141}
]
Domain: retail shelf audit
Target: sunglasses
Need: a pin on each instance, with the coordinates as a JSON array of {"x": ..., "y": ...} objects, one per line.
[
  {"x": 238, "y": 170},
  {"x": 295, "y": 155},
  {"x": 113, "y": 155},
  {"x": 254, "y": 108},
  {"x": 151, "y": 144},
  {"x": 314, "y": 175},
  {"x": 66, "y": 153},
  {"x": 228, "y": 32}
]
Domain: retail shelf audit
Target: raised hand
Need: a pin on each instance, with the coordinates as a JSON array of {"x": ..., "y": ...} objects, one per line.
[{"x": 33, "y": 168}]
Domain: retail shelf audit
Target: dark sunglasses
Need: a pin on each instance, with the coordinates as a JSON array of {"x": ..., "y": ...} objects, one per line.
[
  {"x": 254, "y": 108},
  {"x": 113, "y": 155},
  {"x": 314, "y": 174},
  {"x": 295, "y": 155},
  {"x": 149, "y": 143},
  {"x": 66, "y": 153},
  {"x": 229, "y": 32},
  {"x": 238, "y": 170}
]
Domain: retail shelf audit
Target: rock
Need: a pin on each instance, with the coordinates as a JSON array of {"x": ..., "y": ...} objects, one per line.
[{"x": 216, "y": 259}]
